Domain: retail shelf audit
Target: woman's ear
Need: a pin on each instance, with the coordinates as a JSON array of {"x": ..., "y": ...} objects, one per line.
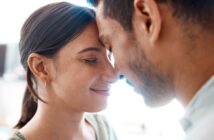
[
  {"x": 147, "y": 14},
  {"x": 38, "y": 66}
]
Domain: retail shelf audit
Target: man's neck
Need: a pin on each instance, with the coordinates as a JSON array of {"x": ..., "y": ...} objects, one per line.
[{"x": 195, "y": 69}]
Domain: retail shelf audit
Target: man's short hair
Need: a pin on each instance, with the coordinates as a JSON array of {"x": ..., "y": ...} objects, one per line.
[
  {"x": 120, "y": 10},
  {"x": 200, "y": 12}
]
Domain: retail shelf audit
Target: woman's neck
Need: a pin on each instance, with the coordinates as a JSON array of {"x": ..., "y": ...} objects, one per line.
[{"x": 49, "y": 123}]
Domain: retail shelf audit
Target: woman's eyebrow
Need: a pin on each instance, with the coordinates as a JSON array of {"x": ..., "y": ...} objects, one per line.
[{"x": 90, "y": 49}]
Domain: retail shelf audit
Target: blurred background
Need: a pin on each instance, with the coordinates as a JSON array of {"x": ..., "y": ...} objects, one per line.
[{"x": 128, "y": 114}]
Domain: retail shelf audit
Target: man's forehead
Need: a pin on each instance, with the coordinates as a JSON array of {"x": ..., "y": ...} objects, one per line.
[
  {"x": 100, "y": 10},
  {"x": 102, "y": 34},
  {"x": 102, "y": 22},
  {"x": 106, "y": 25},
  {"x": 105, "y": 28}
]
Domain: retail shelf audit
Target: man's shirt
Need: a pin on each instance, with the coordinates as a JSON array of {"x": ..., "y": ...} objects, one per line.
[{"x": 198, "y": 121}]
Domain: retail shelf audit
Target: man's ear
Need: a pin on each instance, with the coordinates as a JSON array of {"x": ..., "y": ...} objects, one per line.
[
  {"x": 146, "y": 12},
  {"x": 38, "y": 66}
]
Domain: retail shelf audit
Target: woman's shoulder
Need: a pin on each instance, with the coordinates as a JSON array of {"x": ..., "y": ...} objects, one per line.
[
  {"x": 102, "y": 127},
  {"x": 97, "y": 118},
  {"x": 16, "y": 135}
]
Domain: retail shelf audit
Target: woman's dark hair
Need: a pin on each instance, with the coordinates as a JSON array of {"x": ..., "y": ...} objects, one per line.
[{"x": 45, "y": 32}]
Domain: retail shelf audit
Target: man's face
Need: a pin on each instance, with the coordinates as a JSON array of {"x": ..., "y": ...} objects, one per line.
[{"x": 133, "y": 59}]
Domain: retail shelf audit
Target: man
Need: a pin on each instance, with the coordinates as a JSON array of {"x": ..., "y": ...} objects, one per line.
[{"x": 165, "y": 48}]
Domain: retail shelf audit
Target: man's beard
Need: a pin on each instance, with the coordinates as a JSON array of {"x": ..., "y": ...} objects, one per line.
[{"x": 156, "y": 88}]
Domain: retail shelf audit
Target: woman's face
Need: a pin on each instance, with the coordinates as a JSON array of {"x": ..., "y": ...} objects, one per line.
[{"x": 82, "y": 74}]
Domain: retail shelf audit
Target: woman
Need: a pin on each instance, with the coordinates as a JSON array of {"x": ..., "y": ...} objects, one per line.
[{"x": 68, "y": 74}]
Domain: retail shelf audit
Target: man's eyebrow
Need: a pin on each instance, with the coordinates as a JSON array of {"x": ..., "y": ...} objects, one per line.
[
  {"x": 101, "y": 40},
  {"x": 90, "y": 49},
  {"x": 101, "y": 37}
]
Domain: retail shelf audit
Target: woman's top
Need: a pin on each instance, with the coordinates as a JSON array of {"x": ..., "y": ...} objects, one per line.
[{"x": 101, "y": 126}]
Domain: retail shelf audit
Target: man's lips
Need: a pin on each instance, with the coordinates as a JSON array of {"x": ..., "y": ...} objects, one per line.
[{"x": 101, "y": 91}]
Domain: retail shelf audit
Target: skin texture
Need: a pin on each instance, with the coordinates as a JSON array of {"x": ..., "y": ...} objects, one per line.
[
  {"x": 162, "y": 57},
  {"x": 75, "y": 81}
]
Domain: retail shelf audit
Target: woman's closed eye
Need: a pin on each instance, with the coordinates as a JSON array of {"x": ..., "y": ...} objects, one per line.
[{"x": 91, "y": 61}]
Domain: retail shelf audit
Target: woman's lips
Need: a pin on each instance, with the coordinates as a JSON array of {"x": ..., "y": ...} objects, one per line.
[{"x": 101, "y": 91}]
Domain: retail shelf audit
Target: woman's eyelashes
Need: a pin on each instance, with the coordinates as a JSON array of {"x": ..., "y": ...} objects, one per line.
[{"x": 90, "y": 61}]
